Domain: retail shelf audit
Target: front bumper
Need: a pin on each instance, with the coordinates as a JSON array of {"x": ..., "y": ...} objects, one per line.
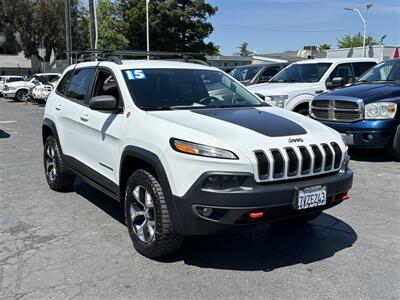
[
  {"x": 232, "y": 208},
  {"x": 366, "y": 133},
  {"x": 10, "y": 94}
]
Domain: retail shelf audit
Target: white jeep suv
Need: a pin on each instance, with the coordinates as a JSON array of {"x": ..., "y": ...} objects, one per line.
[
  {"x": 181, "y": 160},
  {"x": 297, "y": 84}
]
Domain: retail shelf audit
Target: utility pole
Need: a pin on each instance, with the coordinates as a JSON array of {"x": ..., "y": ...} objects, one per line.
[
  {"x": 364, "y": 20},
  {"x": 68, "y": 36},
  {"x": 147, "y": 28},
  {"x": 93, "y": 24}
]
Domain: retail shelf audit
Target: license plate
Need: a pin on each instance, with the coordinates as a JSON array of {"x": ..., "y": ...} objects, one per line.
[{"x": 310, "y": 197}]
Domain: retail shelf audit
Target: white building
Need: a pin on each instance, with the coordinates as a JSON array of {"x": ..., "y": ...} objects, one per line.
[{"x": 379, "y": 52}]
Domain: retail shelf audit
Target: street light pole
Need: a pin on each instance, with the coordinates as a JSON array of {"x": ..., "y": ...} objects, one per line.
[
  {"x": 147, "y": 28},
  {"x": 68, "y": 36},
  {"x": 364, "y": 22}
]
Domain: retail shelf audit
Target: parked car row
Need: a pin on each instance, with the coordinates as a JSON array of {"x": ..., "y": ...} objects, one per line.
[
  {"x": 363, "y": 108},
  {"x": 355, "y": 96},
  {"x": 37, "y": 86}
]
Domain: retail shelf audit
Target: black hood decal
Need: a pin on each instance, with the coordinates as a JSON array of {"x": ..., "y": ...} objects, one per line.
[{"x": 260, "y": 121}]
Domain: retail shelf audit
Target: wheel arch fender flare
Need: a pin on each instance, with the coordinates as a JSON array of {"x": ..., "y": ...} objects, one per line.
[
  {"x": 154, "y": 161},
  {"x": 299, "y": 100},
  {"x": 49, "y": 125}
]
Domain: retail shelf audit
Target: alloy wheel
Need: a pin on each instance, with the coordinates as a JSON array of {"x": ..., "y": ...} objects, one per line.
[
  {"x": 50, "y": 163},
  {"x": 142, "y": 214}
]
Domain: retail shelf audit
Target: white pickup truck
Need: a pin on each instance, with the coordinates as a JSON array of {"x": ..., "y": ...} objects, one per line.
[{"x": 297, "y": 84}]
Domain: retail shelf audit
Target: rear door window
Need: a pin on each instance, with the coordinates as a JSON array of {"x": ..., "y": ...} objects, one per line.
[
  {"x": 14, "y": 79},
  {"x": 269, "y": 73},
  {"x": 362, "y": 67},
  {"x": 63, "y": 85},
  {"x": 80, "y": 84}
]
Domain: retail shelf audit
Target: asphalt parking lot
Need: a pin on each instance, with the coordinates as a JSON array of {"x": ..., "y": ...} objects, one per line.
[{"x": 74, "y": 244}]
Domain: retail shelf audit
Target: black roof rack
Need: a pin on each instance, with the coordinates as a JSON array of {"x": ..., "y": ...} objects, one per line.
[{"x": 116, "y": 55}]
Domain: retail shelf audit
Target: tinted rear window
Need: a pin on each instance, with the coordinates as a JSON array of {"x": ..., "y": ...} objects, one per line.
[
  {"x": 362, "y": 67},
  {"x": 62, "y": 86},
  {"x": 80, "y": 84}
]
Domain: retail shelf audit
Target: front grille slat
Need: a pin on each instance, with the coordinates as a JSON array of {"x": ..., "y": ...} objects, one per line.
[
  {"x": 302, "y": 161},
  {"x": 306, "y": 160},
  {"x": 328, "y": 157},
  {"x": 338, "y": 155},
  {"x": 279, "y": 164},
  {"x": 293, "y": 164},
  {"x": 317, "y": 158},
  {"x": 262, "y": 163}
]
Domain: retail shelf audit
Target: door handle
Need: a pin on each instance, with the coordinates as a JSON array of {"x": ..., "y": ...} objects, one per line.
[
  {"x": 84, "y": 117},
  {"x": 58, "y": 106}
]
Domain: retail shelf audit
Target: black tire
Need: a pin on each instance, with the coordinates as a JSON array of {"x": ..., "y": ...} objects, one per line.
[
  {"x": 393, "y": 147},
  {"x": 19, "y": 96},
  {"x": 303, "y": 219},
  {"x": 161, "y": 238},
  {"x": 57, "y": 176},
  {"x": 303, "y": 111}
]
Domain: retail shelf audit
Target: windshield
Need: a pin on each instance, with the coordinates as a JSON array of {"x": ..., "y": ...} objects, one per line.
[
  {"x": 385, "y": 71},
  {"x": 166, "y": 89},
  {"x": 302, "y": 73},
  {"x": 245, "y": 74}
]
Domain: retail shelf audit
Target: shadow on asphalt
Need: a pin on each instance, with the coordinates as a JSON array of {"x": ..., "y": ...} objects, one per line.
[
  {"x": 264, "y": 247},
  {"x": 4, "y": 135},
  {"x": 371, "y": 155},
  {"x": 102, "y": 201},
  {"x": 267, "y": 247}
]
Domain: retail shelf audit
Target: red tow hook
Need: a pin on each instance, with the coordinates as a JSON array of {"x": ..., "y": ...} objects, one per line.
[
  {"x": 345, "y": 197},
  {"x": 256, "y": 215}
]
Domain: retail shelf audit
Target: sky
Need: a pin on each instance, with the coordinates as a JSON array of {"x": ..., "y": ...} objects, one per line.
[{"x": 278, "y": 25}]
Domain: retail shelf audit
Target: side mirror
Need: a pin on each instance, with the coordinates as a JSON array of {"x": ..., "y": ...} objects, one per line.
[
  {"x": 104, "y": 103},
  {"x": 336, "y": 82}
]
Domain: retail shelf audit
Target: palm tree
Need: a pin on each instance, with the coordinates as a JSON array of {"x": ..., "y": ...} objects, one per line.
[{"x": 324, "y": 47}]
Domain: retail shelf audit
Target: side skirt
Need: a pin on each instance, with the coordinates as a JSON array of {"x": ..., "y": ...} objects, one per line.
[{"x": 92, "y": 177}]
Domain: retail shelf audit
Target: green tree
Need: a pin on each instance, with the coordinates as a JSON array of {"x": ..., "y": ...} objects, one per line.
[
  {"x": 349, "y": 41},
  {"x": 243, "y": 51},
  {"x": 175, "y": 25},
  {"x": 110, "y": 32},
  {"x": 40, "y": 24},
  {"x": 324, "y": 47}
]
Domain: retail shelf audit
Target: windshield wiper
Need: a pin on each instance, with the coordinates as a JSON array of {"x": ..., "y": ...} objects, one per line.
[{"x": 157, "y": 108}]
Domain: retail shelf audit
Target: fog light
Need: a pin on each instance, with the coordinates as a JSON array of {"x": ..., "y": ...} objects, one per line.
[{"x": 207, "y": 211}]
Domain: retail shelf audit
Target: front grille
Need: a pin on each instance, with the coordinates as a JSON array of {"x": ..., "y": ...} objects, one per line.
[
  {"x": 300, "y": 161},
  {"x": 336, "y": 110}
]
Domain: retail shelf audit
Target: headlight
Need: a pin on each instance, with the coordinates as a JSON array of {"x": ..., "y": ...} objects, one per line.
[
  {"x": 380, "y": 110},
  {"x": 9, "y": 88},
  {"x": 201, "y": 150},
  {"x": 39, "y": 89},
  {"x": 278, "y": 100}
]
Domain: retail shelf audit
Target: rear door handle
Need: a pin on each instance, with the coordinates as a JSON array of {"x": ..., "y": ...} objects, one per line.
[
  {"x": 84, "y": 117},
  {"x": 58, "y": 106}
]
